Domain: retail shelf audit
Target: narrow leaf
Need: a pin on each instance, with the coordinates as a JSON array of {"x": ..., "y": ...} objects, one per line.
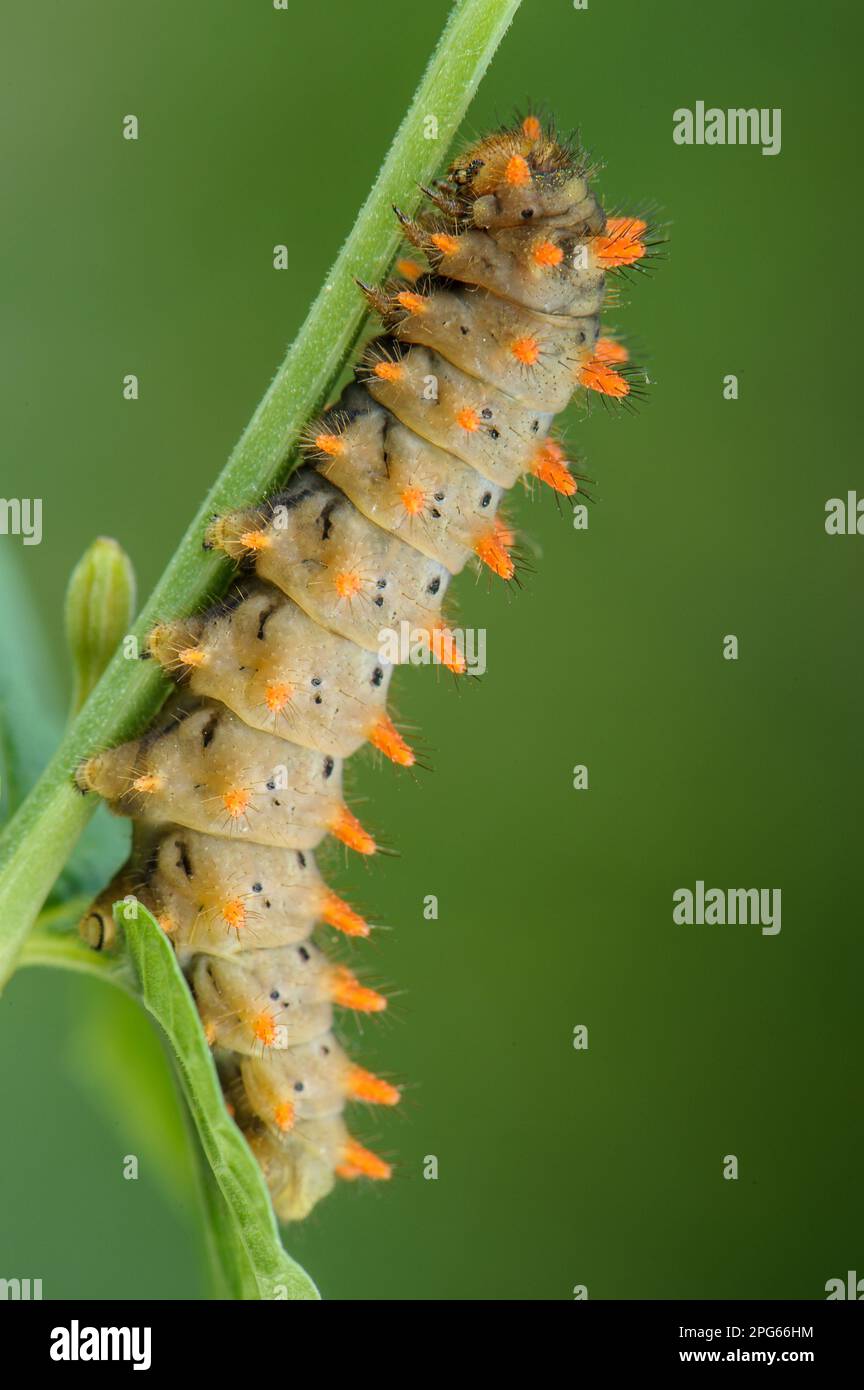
[
  {"x": 252, "y": 1243},
  {"x": 30, "y": 726}
]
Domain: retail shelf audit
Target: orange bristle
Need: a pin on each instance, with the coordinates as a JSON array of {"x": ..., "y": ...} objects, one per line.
[
  {"x": 264, "y": 1029},
  {"x": 147, "y": 783},
  {"x": 525, "y": 350},
  {"x": 234, "y": 913},
  {"x": 413, "y": 499},
  {"x": 447, "y": 245},
  {"x": 255, "y": 540},
  {"x": 547, "y": 254},
  {"x": 360, "y": 1162},
  {"x": 350, "y": 994},
  {"x": 236, "y": 801},
  {"x": 413, "y": 303},
  {"x": 347, "y": 828},
  {"x": 385, "y": 736},
  {"x": 283, "y": 1115},
  {"x": 347, "y": 584},
  {"x": 191, "y": 656},
  {"x": 595, "y": 375},
  {"x": 467, "y": 419},
  {"x": 444, "y": 649},
  {"x": 551, "y": 468},
  {"x": 517, "y": 171},
  {"x": 531, "y": 128},
  {"x": 492, "y": 550},
  {"x": 389, "y": 371},
  {"x": 621, "y": 243},
  {"x": 336, "y": 913},
  {"x": 276, "y": 696},
  {"x": 364, "y": 1085},
  {"x": 331, "y": 444}
]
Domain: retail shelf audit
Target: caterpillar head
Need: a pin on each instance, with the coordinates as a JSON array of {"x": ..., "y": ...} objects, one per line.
[{"x": 519, "y": 176}]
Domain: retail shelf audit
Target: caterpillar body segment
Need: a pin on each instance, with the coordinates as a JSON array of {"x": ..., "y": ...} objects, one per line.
[
  {"x": 309, "y": 1082},
  {"x": 402, "y": 485},
  {"x": 546, "y": 269},
  {"x": 527, "y": 355},
  {"x": 265, "y": 999},
  {"x": 280, "y": 671},
  {"x": 460, "y": 414},
  {"x": 440, "y": 506},
  {"x": 222, "y": 900},
  {"x": 301, "y": 1166},
  {"x": 208, "y": 771},
  {"x": 349, "y": 575}
]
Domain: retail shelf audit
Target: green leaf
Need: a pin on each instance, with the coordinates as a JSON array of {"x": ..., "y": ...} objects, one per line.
[
  {"x": 246, "y": 1234},
  {"x": 233, "y": 1273},
  {"x": 31, "y": 728},
  {"x": 30, "y": 725}
]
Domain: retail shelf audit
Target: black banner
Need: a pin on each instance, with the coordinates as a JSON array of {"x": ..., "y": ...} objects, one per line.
[{"x": 62, "y": 1339}]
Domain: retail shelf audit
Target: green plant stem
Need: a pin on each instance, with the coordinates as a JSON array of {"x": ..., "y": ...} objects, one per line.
[{"x": 37, "y": 842}]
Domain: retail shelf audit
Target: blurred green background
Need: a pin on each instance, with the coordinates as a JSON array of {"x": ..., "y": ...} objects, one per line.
[{"x": 556, "y": 1167}]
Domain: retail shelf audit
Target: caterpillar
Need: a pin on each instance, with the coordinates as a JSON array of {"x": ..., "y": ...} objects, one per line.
[{"x": 239, "y": 779}]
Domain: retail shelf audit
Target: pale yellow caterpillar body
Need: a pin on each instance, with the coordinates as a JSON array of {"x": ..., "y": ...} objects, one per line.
[{"x": 240, "y": 778}]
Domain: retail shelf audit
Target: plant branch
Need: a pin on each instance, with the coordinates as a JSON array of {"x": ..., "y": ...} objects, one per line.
[{"x": 37, "y": 842}]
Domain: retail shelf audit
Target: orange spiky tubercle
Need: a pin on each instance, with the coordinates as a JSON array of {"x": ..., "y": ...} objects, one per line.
[
  {"x": 609, "y": 371},
  {"x": 338, "y": 914},
  {"x": 450, "y": 407},
  {"x": 622, "y": 242},
  {"x": 493, "y": 548},
  {"x": 551, "y": 467},
  {"x": 358, "y": 1162},
  {"x": 386, "y": 737}
]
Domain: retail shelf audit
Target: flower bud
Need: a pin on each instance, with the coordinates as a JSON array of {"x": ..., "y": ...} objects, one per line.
[{"x": 100, "y": 601}]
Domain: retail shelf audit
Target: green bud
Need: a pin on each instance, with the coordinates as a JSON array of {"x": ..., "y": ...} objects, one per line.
[{"x": 100, "y": 601}]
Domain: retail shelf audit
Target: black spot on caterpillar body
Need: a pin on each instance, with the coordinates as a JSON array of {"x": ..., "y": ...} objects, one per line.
[{"x": 240, "y": 778}]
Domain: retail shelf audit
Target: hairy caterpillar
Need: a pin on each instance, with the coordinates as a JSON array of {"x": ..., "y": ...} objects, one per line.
[{"x": 240, "y": 778}]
